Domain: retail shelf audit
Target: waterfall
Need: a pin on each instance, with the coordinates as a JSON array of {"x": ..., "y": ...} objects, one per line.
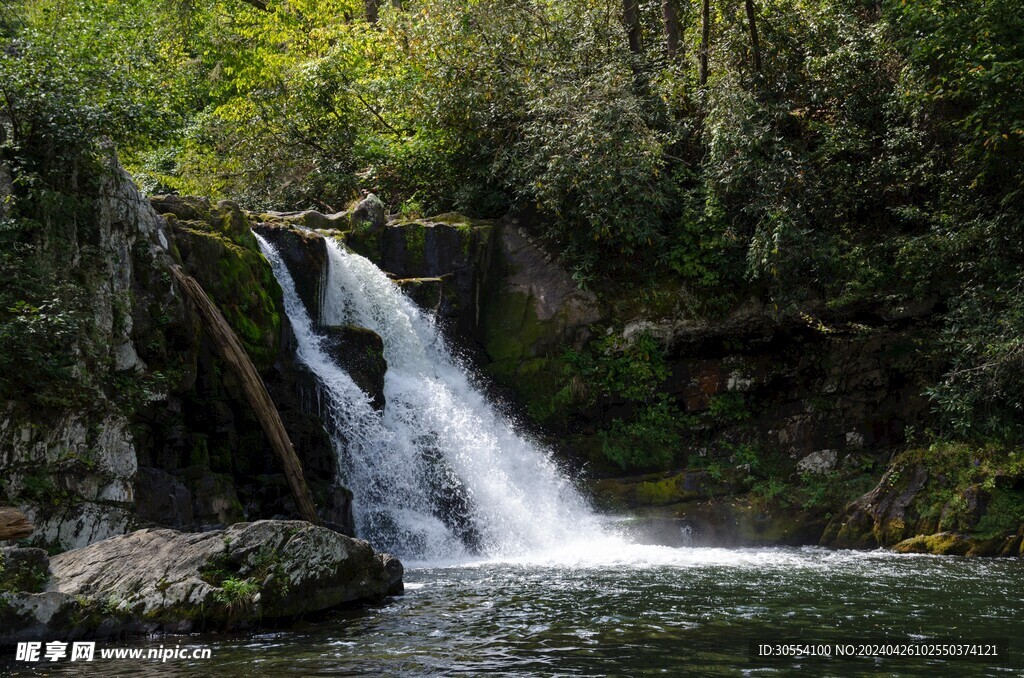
[{"x": 441, "y": 473}]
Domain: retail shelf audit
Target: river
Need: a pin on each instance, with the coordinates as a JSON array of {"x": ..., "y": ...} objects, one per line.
[{"x": 610, "y": 609}]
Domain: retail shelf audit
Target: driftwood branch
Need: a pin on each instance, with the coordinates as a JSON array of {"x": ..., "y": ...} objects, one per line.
[
  {"x": 230, "y": 350},
  {"x": 13, "y": 524}
]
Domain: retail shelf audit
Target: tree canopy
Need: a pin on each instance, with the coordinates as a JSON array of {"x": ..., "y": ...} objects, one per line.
[{"x": 835, "y": 154}]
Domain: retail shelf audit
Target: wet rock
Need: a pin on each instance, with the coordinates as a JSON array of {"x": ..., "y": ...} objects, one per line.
[
  {"x": 360, "y": 352},
  {"x": 305, "y": 254},
  {"x": 337, "y": 510},
  {"x": 883, "y": 516},
  {"x": 444, "y": 262},
  {"x": 942, "y": 543},
  {"x": 158, "y": 579},
  {"x": 431, "y": 294}
]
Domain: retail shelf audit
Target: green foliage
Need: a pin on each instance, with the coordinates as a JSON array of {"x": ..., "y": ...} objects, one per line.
[
  {"x": 235, "y": 592},
  {"x": 956, "y": 470},
  {"x": 631, "y": 369},
  {"x": 981, "y": 395},
  {"x": 649, "y": 441},
  {"x": 1003, "y": 515},
  {"x": 729, "y": 407},
  {"x": 24, "y": 579},
  {"x": 876, "y": 156}
]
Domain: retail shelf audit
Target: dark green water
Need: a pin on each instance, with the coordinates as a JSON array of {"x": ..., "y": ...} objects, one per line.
[{"x": 635, "y": 610}]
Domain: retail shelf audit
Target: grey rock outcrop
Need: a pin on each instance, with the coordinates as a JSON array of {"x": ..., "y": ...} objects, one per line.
[
  {"x": 72, "y": 471},
  {"x": 164, "y": 580}
]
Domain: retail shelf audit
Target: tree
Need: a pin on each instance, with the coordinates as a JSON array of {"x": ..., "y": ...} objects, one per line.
[
  {"x": 755, "y": 47},
  {"x": 673, "y": 31},
  {"x": 631, "y": 18},
  {"x": 373, "y": 9},
  {"x": 705, "y": 40}
]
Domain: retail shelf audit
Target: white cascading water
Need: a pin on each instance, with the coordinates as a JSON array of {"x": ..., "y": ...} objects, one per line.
[{"x": 441, "y": 473}]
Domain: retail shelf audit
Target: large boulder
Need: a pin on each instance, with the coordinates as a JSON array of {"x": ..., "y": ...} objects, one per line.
[{"x": 163, "y": 580}]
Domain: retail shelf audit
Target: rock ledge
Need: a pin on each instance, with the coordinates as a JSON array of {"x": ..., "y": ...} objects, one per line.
[{"x": 163, "y": 580}]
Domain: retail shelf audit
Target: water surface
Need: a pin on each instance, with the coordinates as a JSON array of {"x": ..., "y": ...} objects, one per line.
[{"x": 609, "y": 608}]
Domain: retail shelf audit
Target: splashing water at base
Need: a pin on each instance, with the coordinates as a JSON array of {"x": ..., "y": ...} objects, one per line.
[{"x": 441, "y": 474}]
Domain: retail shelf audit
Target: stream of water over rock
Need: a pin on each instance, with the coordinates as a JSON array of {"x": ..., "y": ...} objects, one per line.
[{"x": 440, "y": 474}]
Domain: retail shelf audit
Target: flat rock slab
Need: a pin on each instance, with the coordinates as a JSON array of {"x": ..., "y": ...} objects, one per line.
[{"x": 165, "y": 580}]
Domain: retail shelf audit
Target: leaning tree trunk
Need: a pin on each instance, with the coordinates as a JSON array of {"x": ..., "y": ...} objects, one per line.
[
  {"x": 631, "y": 18},
  {"x": 230, "y": 350},
  {"x": 673, "y": 32},
  {"x": 705, "y": 40},
  {"x": 755, "y": 45},
  {"x": 13, "y": 524}
]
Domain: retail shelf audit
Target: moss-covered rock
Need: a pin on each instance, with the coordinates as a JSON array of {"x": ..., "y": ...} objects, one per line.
[
  {"x": 942, "y": 544},
  {"x": 430, "y": 294},
  {"x": 304, "y": 252},
  {"x": 663, "y": 489},
  {"x": 218, "y": 249},
  {"x": 530, "y": 313},
  {"x": 946, "y": 499}
]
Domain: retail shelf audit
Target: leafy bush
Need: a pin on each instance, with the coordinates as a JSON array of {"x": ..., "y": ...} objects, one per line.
[{"x": 649, "y": 441}]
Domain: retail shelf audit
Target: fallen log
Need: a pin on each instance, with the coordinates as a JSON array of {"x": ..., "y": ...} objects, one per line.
[
  {"x": 226, "y": 343},
  {"x": 14, "y": 524}
]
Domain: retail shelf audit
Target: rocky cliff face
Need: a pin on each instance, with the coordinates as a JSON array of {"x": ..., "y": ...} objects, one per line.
[
  {"x": 74, "y": 469},
  {"x": 163, "y": 435}
]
